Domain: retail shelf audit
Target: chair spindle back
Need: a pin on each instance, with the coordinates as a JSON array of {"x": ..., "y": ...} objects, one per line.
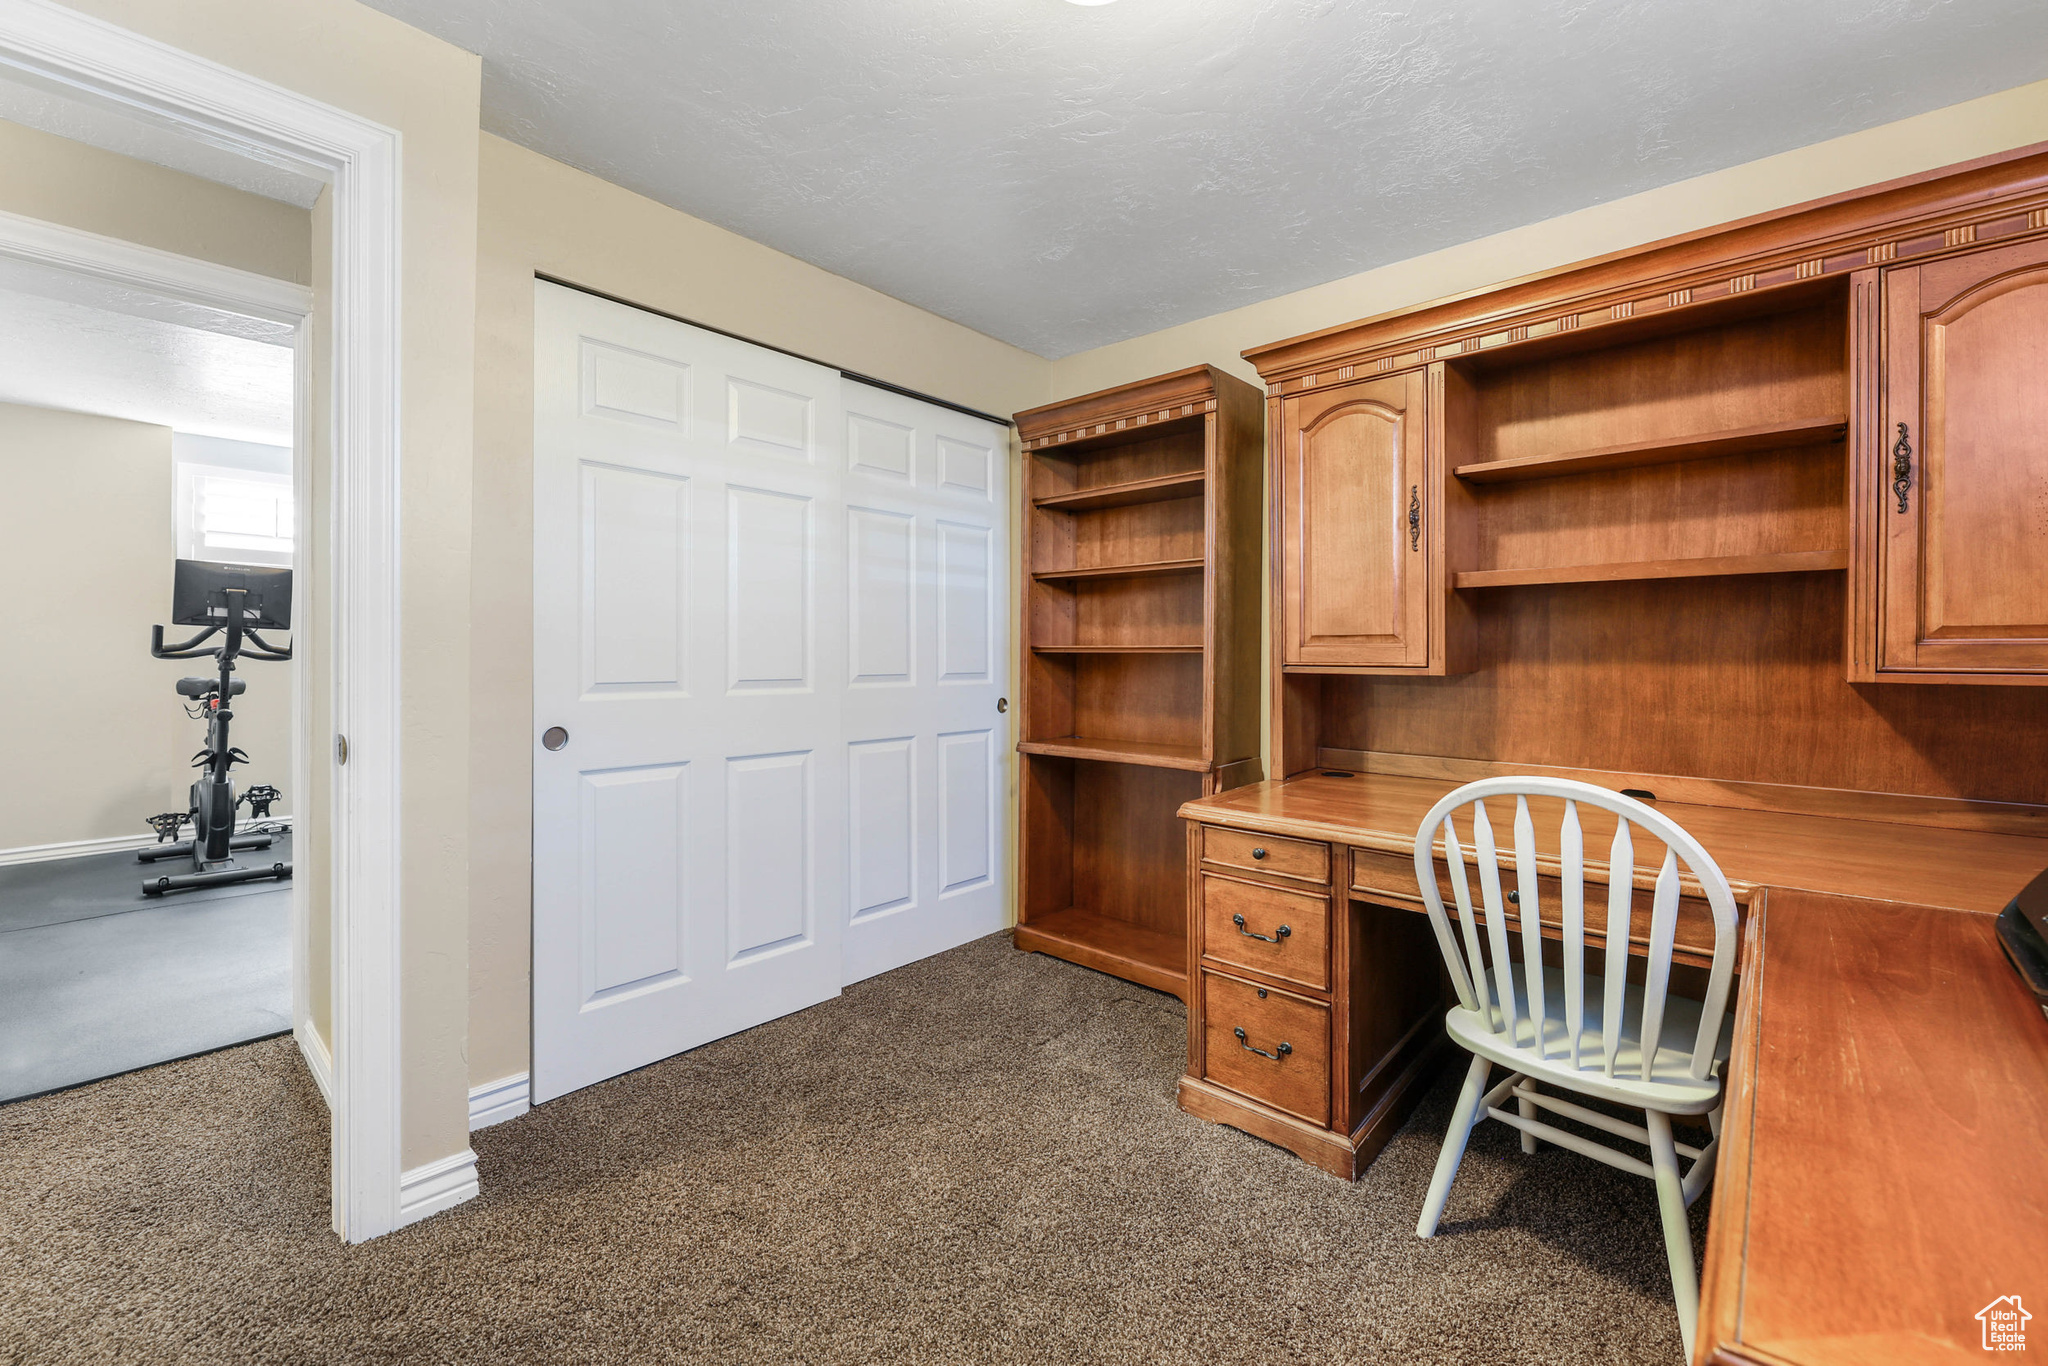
[{"x": 1506, "y": 1006}]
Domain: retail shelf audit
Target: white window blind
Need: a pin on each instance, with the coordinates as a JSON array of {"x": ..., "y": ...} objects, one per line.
[{"x": 239, "y": 512}]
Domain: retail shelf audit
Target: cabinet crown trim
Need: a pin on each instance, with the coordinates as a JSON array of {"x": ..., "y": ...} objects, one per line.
[{"x": 1993, "y": 199}]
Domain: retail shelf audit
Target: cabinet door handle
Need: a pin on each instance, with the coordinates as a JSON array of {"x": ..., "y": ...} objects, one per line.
[
  {"x": 1273, "y": 938},
  {"x": 1902, "y": 466},
  {"x": 1282, "y": 1051},
  {"x": 1414, "y": 517}
]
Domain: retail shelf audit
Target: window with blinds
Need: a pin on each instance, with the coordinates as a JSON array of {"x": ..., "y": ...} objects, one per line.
[{"x": 234, "y": 513}]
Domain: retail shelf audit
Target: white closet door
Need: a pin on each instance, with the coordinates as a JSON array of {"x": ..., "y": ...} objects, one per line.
[
  {"x": 690, "y": 837},
  {"x": 926, "y": 607}
]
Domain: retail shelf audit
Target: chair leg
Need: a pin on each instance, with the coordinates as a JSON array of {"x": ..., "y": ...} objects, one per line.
[
  {"x": 1685, "y": 1284},
  {"x": 1528, "y": 1109},
  {"x": 1460, "y": 1133},
  {"x": 1702, "y": 1172}
]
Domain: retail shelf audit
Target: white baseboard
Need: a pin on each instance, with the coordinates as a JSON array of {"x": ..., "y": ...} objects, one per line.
[
  {"x": 497, "y": 1101},
  {"x": 112, "y": 844},
  {"x": 318, "y": 1061},
  {"x": 438, "y": 1185}
]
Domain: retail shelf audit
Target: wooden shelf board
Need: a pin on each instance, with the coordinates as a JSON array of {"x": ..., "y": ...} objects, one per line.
[
  {"x": 1771, "y": 436},
  {"x": 1164, "y": 489},
  {"x": 1137, "y": 752},
  {"x": 1117, "y": 649},
  {"x": 1122, "y": 571},
  {"x": 1122, "y": 948},
  {"x": 1791, "y": 562}
]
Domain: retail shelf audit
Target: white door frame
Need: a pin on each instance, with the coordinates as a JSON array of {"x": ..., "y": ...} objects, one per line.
[{"x": 88, "y": 59}]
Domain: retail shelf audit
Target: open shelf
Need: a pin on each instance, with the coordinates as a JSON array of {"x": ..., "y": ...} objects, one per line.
[
  {"x": 1116, "y": 649},
  {"x": 1163, "y": 489},
  {"x": 1140, "y": 619},
  {"x": 1133, "y": 952},
  {"x": 1139, "y": 752},
  {"x": 1770, "y": 436},
  {"x": 1790, "y": 562},
  {"x": 1122, "y": 571}
]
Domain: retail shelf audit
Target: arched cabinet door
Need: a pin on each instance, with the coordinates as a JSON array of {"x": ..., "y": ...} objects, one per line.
[
  {"x": 1964, "y": 465},
  {"x": 1356, "y": 525}
]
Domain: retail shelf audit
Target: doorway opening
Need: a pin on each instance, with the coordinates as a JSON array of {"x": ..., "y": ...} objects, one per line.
[{"x": 147, "y": 443}]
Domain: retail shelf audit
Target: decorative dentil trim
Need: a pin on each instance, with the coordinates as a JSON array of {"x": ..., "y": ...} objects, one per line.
[
  {"x": 1119, "y": 423},
  {"x": 1888, "y": 242}
]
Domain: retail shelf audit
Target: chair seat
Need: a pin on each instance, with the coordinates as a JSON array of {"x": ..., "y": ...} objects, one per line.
[{"x": 1670, "y": 1088}]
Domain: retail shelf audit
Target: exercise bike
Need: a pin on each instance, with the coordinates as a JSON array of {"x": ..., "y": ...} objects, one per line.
[{"x": 240, "y": 601}]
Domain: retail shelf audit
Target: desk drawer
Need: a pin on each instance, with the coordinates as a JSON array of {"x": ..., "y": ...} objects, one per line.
[
  {"x": 1266, "y": 853},
  {"x": 1297, "y": 1080},
  {"x": 1301, "y": 954},
  {"x": 1379, "y": 876},
  {"x": 1390, "y": 879}
]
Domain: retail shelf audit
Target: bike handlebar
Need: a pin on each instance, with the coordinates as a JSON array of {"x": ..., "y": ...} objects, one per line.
[
  {"x": 185, "y": 649},
  {"x": 182, "y": 650}
]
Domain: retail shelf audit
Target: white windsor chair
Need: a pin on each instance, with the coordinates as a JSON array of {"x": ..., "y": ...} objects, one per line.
[{"x": 1598, "y": 1035}]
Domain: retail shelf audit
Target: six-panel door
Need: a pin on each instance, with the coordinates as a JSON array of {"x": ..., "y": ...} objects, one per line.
[
  {"x": 1353, "y": 539},
  {"x": 768, "y": 629},
  {"x": 1964, "y": 546}
]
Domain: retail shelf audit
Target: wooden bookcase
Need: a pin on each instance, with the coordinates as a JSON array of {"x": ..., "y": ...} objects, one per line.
[
  {"x": 1141, "y": 658},
  {"x": 1667, "y": 519}
]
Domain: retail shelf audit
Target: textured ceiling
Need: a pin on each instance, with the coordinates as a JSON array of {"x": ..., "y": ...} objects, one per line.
[
  {"x": 1061, "y": 177},
  {"x": 86, "y": 350}
]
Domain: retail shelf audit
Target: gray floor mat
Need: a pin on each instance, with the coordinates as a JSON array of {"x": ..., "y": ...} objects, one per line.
[{"x": 125, "y": 986}]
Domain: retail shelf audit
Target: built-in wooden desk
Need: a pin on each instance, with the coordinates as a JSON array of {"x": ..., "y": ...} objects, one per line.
[
  {"x": 1885, "y": 1168},
  {"x": 1925, "y": 865},
  {"x": 1884, "y": 1162}
]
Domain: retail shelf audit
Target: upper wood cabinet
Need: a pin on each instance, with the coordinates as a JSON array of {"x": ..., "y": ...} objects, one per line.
[
  {"x": 1962, "y": 466},
  {"x": 1354, "y": 509}
]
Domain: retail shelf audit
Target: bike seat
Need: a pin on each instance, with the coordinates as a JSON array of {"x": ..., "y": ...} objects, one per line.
[{"x": 205, "y": 687}]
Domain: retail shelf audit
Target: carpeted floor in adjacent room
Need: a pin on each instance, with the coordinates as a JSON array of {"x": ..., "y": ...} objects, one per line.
[{"x": 976, "y": 1158}]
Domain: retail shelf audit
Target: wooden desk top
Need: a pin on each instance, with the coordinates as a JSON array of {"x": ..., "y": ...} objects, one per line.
[
  {"x": 1884, "y": 1162},
  {"x": 1920, "y": 865}
]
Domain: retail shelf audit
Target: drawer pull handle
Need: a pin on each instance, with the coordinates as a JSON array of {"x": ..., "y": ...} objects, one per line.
[
  {"x": 1258, "y": 853},
  {"x": 1282, "y": 1051},
  {"x": 1273, "y": 938}
]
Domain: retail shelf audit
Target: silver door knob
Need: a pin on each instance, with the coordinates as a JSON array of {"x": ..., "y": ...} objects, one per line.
[{"x": 554, "y": 737}]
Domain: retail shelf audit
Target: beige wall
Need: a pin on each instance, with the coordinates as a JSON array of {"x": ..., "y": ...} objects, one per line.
[
  {"x": 60, "y": 181},
  {"x": 356, "y": 59},
  {"x": 99, "y": 738},
  {"x": 539, "y": 215}
]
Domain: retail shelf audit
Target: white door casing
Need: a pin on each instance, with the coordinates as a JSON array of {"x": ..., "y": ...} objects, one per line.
[{"x": 768, "y": 612}]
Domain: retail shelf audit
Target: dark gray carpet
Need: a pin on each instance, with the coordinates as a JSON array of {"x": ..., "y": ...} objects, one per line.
[
  {"x": 97, "y": 979},
  {"x": 973, "y": 1159}
]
